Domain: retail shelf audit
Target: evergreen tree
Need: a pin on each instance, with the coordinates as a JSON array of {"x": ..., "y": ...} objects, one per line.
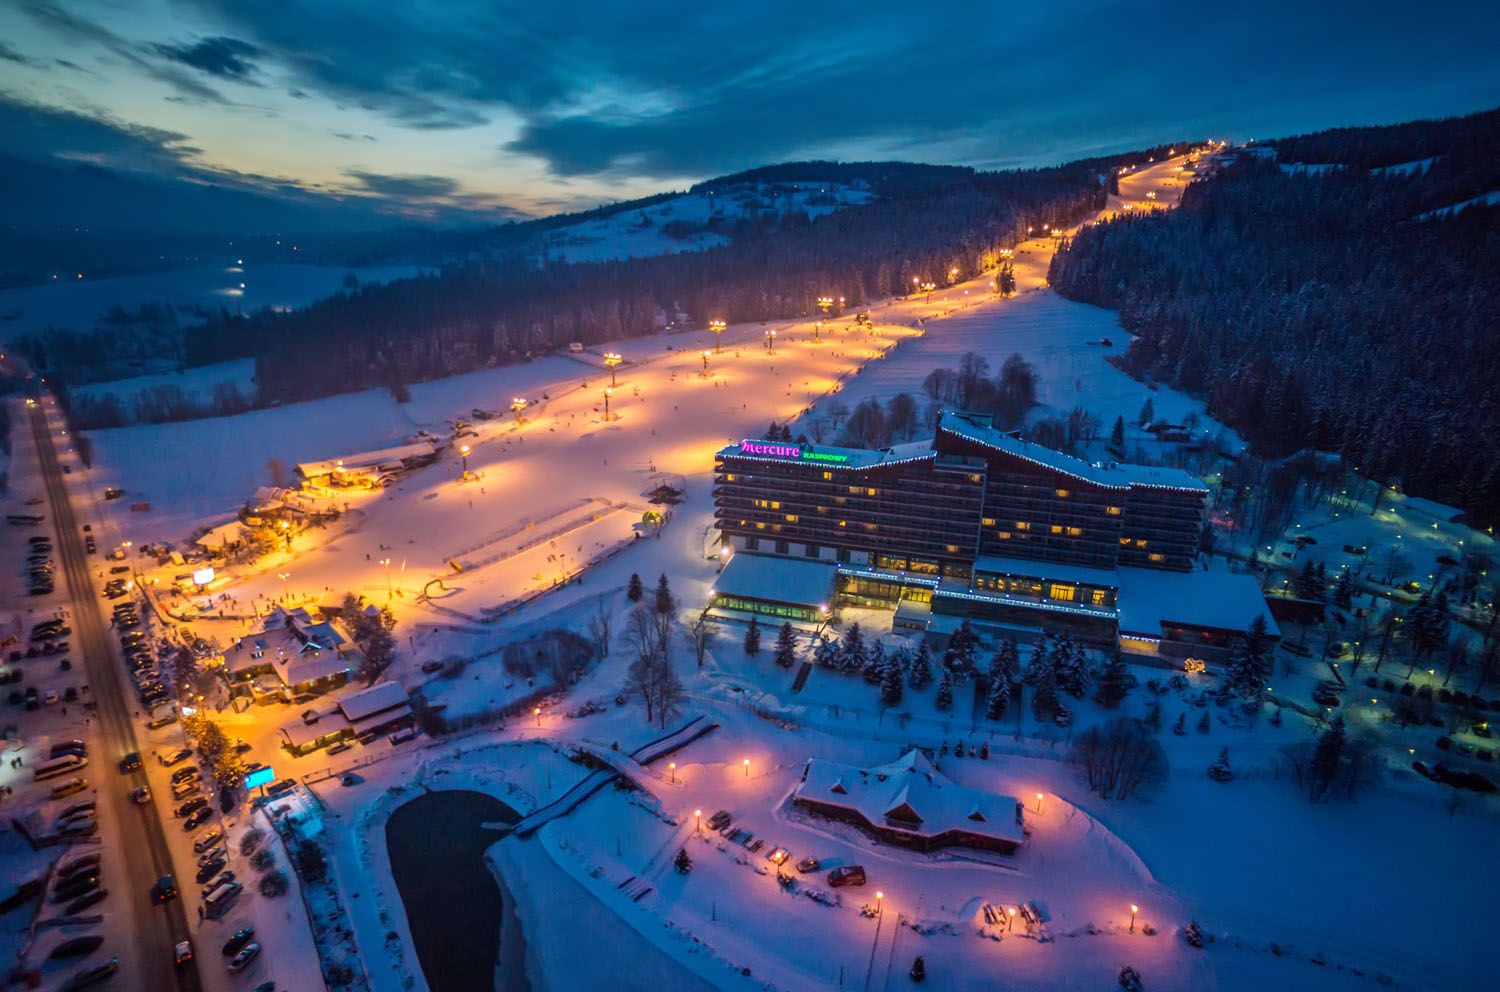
[
  {"x": 920, "y": 676},
  {"x": 773, "y": 433},
  {"x": 998, "y": 698},
  {"x": 1069, "y": 662},
  {"x": 682, "y": 861},
  {"x": 1327, "y": 758},
  {"x": 1114, "y": 682},
  {"x": 1249, "y": 662},
  {"x": 891, "y": 685},
  {"x": 958, "y": 659},
  {"x": 1180, "y": 727},
  {"x": 944, "y": 698},
  {"x": 1203, "y": 723},
  {"x": 1041, "y": 675},
  {"x": 633, "y": 591},
  {"x": 826, "y": 653},
  {"x": 752, "y": 638},
  {"x": 786, "y": 646},
  {"x": 1147, "y": 414},
  {"x": 1343, "y": 590},
  {"x": 875, "y": 664},
  {"x": 1153, "y": 715},
  {"x": 1220, "y": 771},
  {"x": 852, "y": 655},
  {"x": 1117, "y": 436},
  {"x": 664, "y": 602}
]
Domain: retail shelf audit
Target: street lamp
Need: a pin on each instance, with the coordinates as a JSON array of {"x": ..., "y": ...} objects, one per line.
[
  {"x": 706, "y": 353},
  {"x": 717, "y": 326},
  {"x": 283, "y": 576},
  {"x": 747, "y": 767},
  {"x": 612, "y": 361},
  {"x": 387, "y": 563},
  {"x": 771, "y": 340},
  {"x": 672, "y": 770},
  {"x": 825, "y": 303},
  {"x": 463, "y": 452},
  {"x": 698, "y": 821},
  {"x": 953, "y": 274},
  {"x": 607, "y": 393},
  {"x": 1038, "y": 802},
  {"x": 1010, "y": 922},
  {"x": 536, "y": 711},
  {"x": 1133, "y": 910},
  {"x": 817, "y": 328},
  {"x": 518, "y": 404}
]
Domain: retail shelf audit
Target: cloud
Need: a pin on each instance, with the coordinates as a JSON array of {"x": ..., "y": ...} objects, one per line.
[
  {"x": 9, "y": 54},
  {"x": 405, "y": 187},
  {"x": 227, "y": 58},
  {"x": 65, "y": 24},
  {"x": 44, "y": 133}
]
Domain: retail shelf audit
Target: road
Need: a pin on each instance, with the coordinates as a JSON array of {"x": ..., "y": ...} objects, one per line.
[{"x": 141, "y": 854}]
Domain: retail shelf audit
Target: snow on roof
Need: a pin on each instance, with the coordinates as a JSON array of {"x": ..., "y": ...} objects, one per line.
[
  {"x": 1112, "y": 475},
  {"x": 1217, "y": 599},
  {"x": 325, "y": 634},
  {"x": 309, "y": 666},
  {"x": 827, "y": 456},
  {"x": 367, "y": 702},
  {"x": 782, "y": 580},
  {"x": 1025, "y": 567},
  {"x": 223, "y": 535},
  {"x": 913, "y": 794},
  {"x": 1429, "y": 508},
  {"x": 366, "y": 459}
]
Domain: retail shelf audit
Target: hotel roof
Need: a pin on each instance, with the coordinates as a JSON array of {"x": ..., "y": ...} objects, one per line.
[
  {"x": 1111, "y": 475},
  {"x": 803, "y": 582},
  {"x": 828, "y": 455}
]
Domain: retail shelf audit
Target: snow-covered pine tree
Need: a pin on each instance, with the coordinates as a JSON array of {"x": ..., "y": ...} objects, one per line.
[
  {"x": 1327, "y": 758},
  {"x": 920, "y": 676},
  {"x": 1153, "y": 715},
  {"x": 958, "y": 659},
  {"x": 998, "y": 698},
  {"x": 1072, "y": 671},
  {"x": 633, "y": 590},
  {"x": 944, "y": 698},
  {"x": 752, "y": 638},
  {"x": 891, "y": 684},
  {"x": 1203, "y": 724},
  {"x": 1041, "y": 675},
  {"x": 1180, "y": 727},
  {"x": 1343, "y": 590},
  {"x": 875, "y": 664},
  {"x": 664, "y": 602},
  {"x": 826, "y": 653},
  {"x": 1113, "y": 683},
  {"x": 1220, "y": 771},
  {"x": 852, "y": 654},
  {"x": 786, "y": 646},
  {"x": 1249, "y": 662}
]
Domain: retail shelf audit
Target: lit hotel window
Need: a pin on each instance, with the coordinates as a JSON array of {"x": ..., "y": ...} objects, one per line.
[
  {"x": 759, "y": 525},
  {"x": 1140, "y": 542},
  {"x": 1113, "y": 511},
  {"x": 1154, "y": 556},
  {"x": 953, "y": 549},
  {"x": 1022, "y": 525},
  {"x": 989, "y": 521},
  {"x": 1075, "y": 531},
  {"x": 1124, "y": 541},
  {"x": 1056, "y": 528},
  {"x": 791, "y": 518},
  {"x": 729, "y": 477},
  {"x": 828, "y": 475},
  {"x": 1004, "y": 535},
  {"x": 1061, "y": 493},
  {"x": 1060, "y": 592},
  {"x": 1101, "y": 597},
  {"x": 869, "y": 492}
]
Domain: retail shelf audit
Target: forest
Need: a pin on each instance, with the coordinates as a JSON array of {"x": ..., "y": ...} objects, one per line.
[{"x": 1342, "y": 309}]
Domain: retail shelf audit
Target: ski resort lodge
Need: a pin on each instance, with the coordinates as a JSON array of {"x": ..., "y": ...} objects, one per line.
[
  {"x": 980, "y": 525},
  {"x": 910, "y": 803},
  {"x": 368, "y": 467}
]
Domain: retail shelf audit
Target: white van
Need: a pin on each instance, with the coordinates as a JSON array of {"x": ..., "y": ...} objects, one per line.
[
  {"x": 63, "y": 765},
  {"x": 576, "y": 347}
]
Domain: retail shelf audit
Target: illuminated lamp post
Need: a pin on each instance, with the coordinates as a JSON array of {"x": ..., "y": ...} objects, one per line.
[
  {"x": 1133, "y": 910},
  {"x": 283, "y": 576},
  {"x": 825, "y": 304},
  {"x": 698, "y": 821},
  {"x": 536, "y": 711},
  {"x": 817, "y": 328},
  {"x": 518, "y": 404},
  {"x": 612, "y": 361},
  {"x": 463, "y": 452},
  {"x": 771, "y": 340},
  {"x": 608, "y": 391},
  {"x": 387, "y": 563},
  {"x": 717, "y": 326},
  {"x": 706, "y": 353},
  {"x": 746, "y": 763},
  {"x": 672, "y": 771}
]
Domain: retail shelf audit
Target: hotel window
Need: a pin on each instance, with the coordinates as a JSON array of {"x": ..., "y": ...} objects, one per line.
[
  {"x": 840, "y": 500},
  {"x": 854, "y": 490},
  {"x": 870, "y": 528},
  {"x": 776, "y": 528},
  {"x": 828, "y": 476},
  {"x": 782, "y": 547},
  {"x": 1003, "y": 535},
  {"x": 1022, "y": 525},
  {"x": 841, "y": 554},
  {"x": 729, "y": 477},
  {"x": 1100, "y": 597},
  {"x": 869, "y": 492},
  {"x": 843, "y": 523},
  {"x": 822, "y": 509},
  {"x": 1075, "y": 531},
  {"x": 952, "y": 549},
  {"x": 989, "y": 521},
  {"x": 752, "y": 544},
  {"x": 1140, "y": 542},
  {"x": 1155, "y": 556},
  {"x": 759, "y": 525},
  {"x": 1060, "y": 592},
  {"x": 1124, "y": 542},
  {"x": 975, "y": 478},
  {"x": 775, "y": 504},
  {"x": 1061, "y": 493},
  {"x": 813, "y": 551},
  {"x": 1056, "y": 528},
  {"x": 791, "y": 518},
  {"x": 1113, "y": 511}
]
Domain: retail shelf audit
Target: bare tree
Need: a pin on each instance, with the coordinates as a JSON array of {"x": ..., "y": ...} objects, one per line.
[
  {"x": 1119, "y": 758},
  {"x": 650, "y": 675},
  {"x": 599, "y": 627},
  {"x": 700, "y": 633}
]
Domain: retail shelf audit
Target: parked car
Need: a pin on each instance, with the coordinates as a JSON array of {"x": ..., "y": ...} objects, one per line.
[
  {"x": 211, "y": 839},
  {"x": 208, "y": 871},
  {"x": 847, "y": 875},
  {"x": 197, "y": 819},
  {"x": 720, "y": 820},
  {"x": 77, "y": 947},
  {"x": 237, "y": 943},
  {"x": 68, "y": 788},
  {"x": 242, "y": 960},
  {"x": 176, "y": 757},
  {"x": 94, "y": 975},
  {"x": 808, "y": 865},
  {"x": 184, "y": 774}
]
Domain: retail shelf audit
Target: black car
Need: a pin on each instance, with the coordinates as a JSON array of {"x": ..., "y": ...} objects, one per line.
[
  {"x": 94, "y": 975},
  {"x": 197, "y": 819},
  {"x": 192, "y": 806},
  {"x": 77, "y": 947},
  {"x": 209, "y": 870},
  {"x": 237, "y": 943},
  {"x": 85, "y": 901},
  {"x": 183, "y": 774}
]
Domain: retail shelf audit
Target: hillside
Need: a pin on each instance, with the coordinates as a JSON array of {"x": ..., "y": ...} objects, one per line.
[{"x": 1319, "y": 294}]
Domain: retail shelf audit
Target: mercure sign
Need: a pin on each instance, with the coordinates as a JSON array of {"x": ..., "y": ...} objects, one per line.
[{"x": 773, "y": 449}]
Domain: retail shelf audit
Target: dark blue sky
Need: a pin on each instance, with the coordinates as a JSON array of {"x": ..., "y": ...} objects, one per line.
[{"x": 537, "y": 107}]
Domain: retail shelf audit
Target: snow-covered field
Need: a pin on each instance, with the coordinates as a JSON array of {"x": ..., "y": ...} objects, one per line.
[
  {"x": 639, "y": 233},
  {"x": 197, "y": 384}
]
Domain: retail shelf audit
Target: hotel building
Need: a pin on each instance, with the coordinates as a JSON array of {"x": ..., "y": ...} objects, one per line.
[{"x": 976, "y": 524}]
